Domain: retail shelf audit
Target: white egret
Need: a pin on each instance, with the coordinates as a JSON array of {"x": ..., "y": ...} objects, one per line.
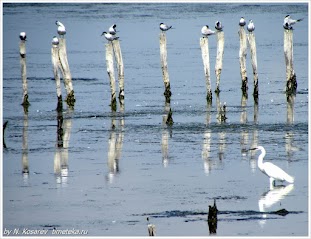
[
  {"x": 151, "y": 228},
  {"x": 164, "y": 27},
  {"x": 271, "y": 170}
]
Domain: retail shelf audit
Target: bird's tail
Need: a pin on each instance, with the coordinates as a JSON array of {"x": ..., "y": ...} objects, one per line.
[
  {"x": 299, "y": 19},
  {"x": 289, "y": 179}
]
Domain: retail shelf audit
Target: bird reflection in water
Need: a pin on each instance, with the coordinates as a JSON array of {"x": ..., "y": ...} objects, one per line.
[{"x": 272, "y": 197}]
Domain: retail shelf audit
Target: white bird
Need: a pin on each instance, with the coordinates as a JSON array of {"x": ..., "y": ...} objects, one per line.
[
  {"x": 109, "y": 37},
  {"x": 218, "y": 26},
  {"x": 151, "y": 228},
  {"x": 112, "y": 30},
  {"x": 288, "y": 22},
  {"x": 242, "y": 22},
  {"x": 271, "y": 170},
  {"x": 250, "y": 26},
  {"x": 55, "y": 41},
  {"x": 22, "y": 36},
  {"x": 61, "y": 30},
  {"x": 164, "y": 27},
  {"x": 206, "y": 31}
]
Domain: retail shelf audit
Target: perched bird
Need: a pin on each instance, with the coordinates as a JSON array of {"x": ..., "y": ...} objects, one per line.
[
  {"x": 206, "y": 31},
  {"x": 288, "y": 22},
  {"x": 164, "y": 27},
  {"x": 61, "y": 30},
  {"x": 287, "y": 26},
  {"x": 242, "y": 22},
  {"x": 112, "y": 30},
  {"x": 271, "y": 170},
  {"x": 250, "y": 26},
  {"x": 109, "y": 37},
  {"x": 218, "y": 26},
  {"x": 55, "y": 41},
  {"x": 22, "y": 36},
  {"x": 151, "y": 228}
]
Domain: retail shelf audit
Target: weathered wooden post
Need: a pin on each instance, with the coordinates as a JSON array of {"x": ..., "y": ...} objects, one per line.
[
  {"x": 291, "y": 82},
  {"x": 70, "y": 99},
  {"x": 220, "y": 52},
  {"x": 163, "y": 55},
  {"x": 120, "y": 67},
  {"x": 22, "y": 53},
  {"x": 212, "y": 218},
  {"x": 242, "y": 59},
  {"x": 56, "y": 65},
  {"x": 206, "y": 63},
  {"x": 110, "y": 71},
  {"x": 252, "y": 44}
]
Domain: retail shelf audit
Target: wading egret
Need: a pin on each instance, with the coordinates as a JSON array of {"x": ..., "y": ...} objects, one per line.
[{"x": 271, "y": 170}]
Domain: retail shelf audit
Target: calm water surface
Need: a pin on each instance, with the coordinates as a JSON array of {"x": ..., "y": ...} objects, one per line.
[{"x": 117, "y": 168}]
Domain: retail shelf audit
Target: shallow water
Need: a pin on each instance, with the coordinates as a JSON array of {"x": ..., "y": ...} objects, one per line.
[{"x": 115, "y": 169}]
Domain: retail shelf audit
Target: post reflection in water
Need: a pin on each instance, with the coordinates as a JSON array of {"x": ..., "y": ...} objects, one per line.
[
  {"x": 273, "y": 197},
  {"x": 25, "y": 163},
  {"x": 166, "y": 134},
  {"x": 253, "y": 160},
  {"x": 221, "y": 118},
  {"x": 243, "y": 120},
  {"x": 289, "y": 136},
  {"x": 115, "y": 143},
  {"x": 208, "y": 163},
  {"x": 61, "y": 150}
]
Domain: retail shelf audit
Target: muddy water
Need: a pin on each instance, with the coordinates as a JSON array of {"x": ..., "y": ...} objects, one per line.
[{"x": 116, "y": 168}]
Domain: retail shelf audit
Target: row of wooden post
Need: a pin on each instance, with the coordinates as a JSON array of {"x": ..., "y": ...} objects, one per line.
[{"x": 60, "y": 63}]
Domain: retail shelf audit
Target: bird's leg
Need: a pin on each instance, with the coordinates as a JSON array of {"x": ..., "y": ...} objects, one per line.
[{"x": 272, "y": 183}]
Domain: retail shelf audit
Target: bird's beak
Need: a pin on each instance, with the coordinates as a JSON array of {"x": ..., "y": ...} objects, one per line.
[
  {"x": 253, "y": 149},
  {"x": 102, "y": 34}
]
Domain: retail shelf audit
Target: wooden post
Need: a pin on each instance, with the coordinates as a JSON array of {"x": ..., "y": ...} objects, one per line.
[
  {"x": 66, "y": 72},
  {"x": 22, "y": 53},
  {"x": 163, "y": 55},
  {"x": 220, "y": 53},
  {"x": 120, "y": 67},
  {"x": 110, "y": 71},
  {"x": 252, "y": 44},
  {"x": 291, "y": 84},
  {"x": 242, "y": 58},
  {"x": 56, "y": 65},
  {"x": 206, "y": 63},
  {"x": 243, "y": 120}
]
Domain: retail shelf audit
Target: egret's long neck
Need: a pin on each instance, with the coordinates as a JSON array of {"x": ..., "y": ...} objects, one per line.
[{"x": 260, "y": 159}]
